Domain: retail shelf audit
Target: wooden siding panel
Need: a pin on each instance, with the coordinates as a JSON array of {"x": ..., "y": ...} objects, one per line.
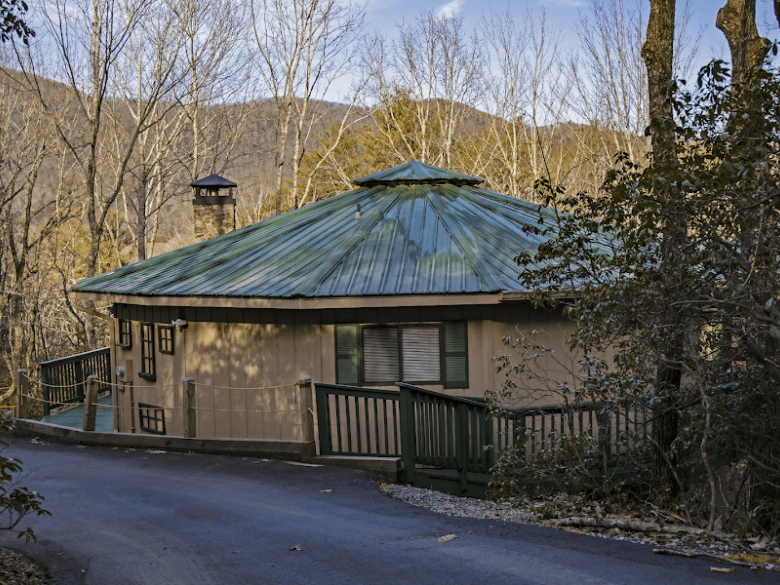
[{"x": 239, "y": 337}]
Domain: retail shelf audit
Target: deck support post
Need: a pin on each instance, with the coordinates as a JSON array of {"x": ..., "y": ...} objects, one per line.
[
  {"x": 90, "y": 403},
  {"x": 22, "y": 388},
  {"x": 188, "y": 407}
]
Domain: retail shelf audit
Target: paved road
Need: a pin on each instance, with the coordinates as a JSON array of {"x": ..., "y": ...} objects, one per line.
[{"x": 139, "y": 517}]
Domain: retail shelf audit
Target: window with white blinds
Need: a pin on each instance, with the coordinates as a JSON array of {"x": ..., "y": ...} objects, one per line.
[
  {"x": 420, "y": 353},
  {"x": 434, "y": 353}
]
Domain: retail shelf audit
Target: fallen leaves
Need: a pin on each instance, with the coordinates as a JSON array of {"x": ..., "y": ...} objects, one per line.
[
  {"x": 297, "y": 547},
  {"x": 447, "y": 537}
]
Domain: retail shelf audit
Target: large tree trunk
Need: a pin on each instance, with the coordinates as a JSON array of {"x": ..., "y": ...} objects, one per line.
[
  {"x": 658, "y": 54},
  {"x": 666, "y": 422},
  {"x": 737, "y": 20}
]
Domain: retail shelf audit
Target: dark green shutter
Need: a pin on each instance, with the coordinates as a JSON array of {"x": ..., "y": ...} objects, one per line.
[
  {"x": 455, "y": 360},
  {"x": 347, "y": 355}
]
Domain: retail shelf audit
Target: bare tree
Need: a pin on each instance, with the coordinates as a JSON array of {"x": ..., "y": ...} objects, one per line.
[
  {"x": 28, "y": 216},
  {"x": 529, "y": 99},
  {"x": 84, "y": 55},
  {"x": 440, "y": 67},
  {"x": 217, "y": 66},
  {"x": 152, "y": 53},
  {"x": 304, "y": 46}
]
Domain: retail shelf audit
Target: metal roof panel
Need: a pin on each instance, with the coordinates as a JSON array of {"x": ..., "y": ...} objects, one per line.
[{"x": 422, "y": 230}]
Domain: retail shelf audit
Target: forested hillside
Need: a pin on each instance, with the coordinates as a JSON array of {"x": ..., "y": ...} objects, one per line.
[{"x": 109, "y": 118}]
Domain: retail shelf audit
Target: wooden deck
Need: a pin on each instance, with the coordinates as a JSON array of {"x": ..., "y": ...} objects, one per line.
[{"x": 73, "y": 416}]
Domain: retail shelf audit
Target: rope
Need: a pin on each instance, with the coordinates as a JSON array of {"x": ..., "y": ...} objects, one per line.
[
  {"x": 30, "y": 396},
  {"x": 236, "y": 411},
  {"x": 232, "y": 388},
  {"x": 136, "y": 386},
  {"x": 158, "y": 387},
  {"x": 53, "y": 386},
  {"x": 206, "y": 409}
]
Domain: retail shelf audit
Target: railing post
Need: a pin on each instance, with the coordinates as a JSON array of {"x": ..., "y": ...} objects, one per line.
[
  {"x": 90, "y": 403},
  {"x": 188, "y": 407},
  {"x": 45, "y": 394},
  {"x": 22, "y": 388},
  {"x": 408, "y": 444},
  {"x": 605, "y": 442},
  {"x": 79, "y": 370},
  {"x": 488, "y": 456},
  {"x": 462, "y": 442},
  {"x": 307, "y": 414},
  {"x": 323, "y": 421}
]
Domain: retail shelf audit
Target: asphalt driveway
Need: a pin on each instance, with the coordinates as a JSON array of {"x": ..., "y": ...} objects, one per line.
[{"x": 143, "y": 517}]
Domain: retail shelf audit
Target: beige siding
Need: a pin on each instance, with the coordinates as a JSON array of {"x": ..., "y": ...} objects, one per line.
[{"x": 245, "y": 370}]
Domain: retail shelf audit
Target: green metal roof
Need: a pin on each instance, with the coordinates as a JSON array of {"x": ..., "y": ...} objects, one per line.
[{"x": 422, "y": 230}]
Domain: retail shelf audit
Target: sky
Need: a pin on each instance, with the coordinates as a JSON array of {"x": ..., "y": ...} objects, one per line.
[{"x": 383, "y": 16}]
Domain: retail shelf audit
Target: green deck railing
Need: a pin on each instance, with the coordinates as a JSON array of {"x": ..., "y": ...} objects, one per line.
[
  {"x": 452, "y": 443},
  {"x": 358, "y": 421},
  {"x": 619, "y": 428},
  {"x": 64, "y": 380}
]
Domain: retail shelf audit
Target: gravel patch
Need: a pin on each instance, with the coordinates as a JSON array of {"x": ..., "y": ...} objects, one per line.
[{"x": 722, "y": 547}]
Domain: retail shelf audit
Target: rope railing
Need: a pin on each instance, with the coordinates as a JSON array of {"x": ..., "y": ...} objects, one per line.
[
  {"x": 233, "y": 388},
  {"x": 172, "y": 402}
]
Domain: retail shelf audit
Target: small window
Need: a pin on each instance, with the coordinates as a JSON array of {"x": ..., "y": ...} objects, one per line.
[
  {"x": 165, "y": 338},
  {"x": 151, "y": 418},
  {"x": 125, "y": 334},
  {"x": 147, "y": 352}
]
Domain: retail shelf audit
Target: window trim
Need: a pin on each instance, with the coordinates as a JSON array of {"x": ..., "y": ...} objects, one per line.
[
  {"x": 163, "y": 341},
  {"x": 148, "y": 371},
  {"x": 125, "y": 336}
]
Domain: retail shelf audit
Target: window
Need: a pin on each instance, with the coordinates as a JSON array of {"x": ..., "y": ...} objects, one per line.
[
  {"x": 151, "y": 418},
  {"x": 417, "y": 354},
  {"x": 147, "y": 352},
  {"x": 165, "y": 338},
  {"x": 125, "y": 334}
]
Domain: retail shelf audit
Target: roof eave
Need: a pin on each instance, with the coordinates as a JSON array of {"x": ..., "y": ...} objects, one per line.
[{"x": 355, "y": 302}]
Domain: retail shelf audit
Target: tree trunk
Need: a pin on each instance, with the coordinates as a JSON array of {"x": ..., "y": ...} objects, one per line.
[
  {"x": 140, "y": 217},
  {"x": 666, "y": 421},
  {"x": 777, "y": 11},
  {"x": 658, "y": 54},
  {"x": 737, "y": 20}
]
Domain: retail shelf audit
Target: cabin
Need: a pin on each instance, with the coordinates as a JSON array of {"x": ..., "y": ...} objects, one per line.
[{"x": 409, "y": 277}]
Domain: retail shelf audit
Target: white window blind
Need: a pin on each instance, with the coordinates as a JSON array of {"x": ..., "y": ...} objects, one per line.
[
  {"x": 420, "y": 353},
  {"x": 380, "y": 354}
]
